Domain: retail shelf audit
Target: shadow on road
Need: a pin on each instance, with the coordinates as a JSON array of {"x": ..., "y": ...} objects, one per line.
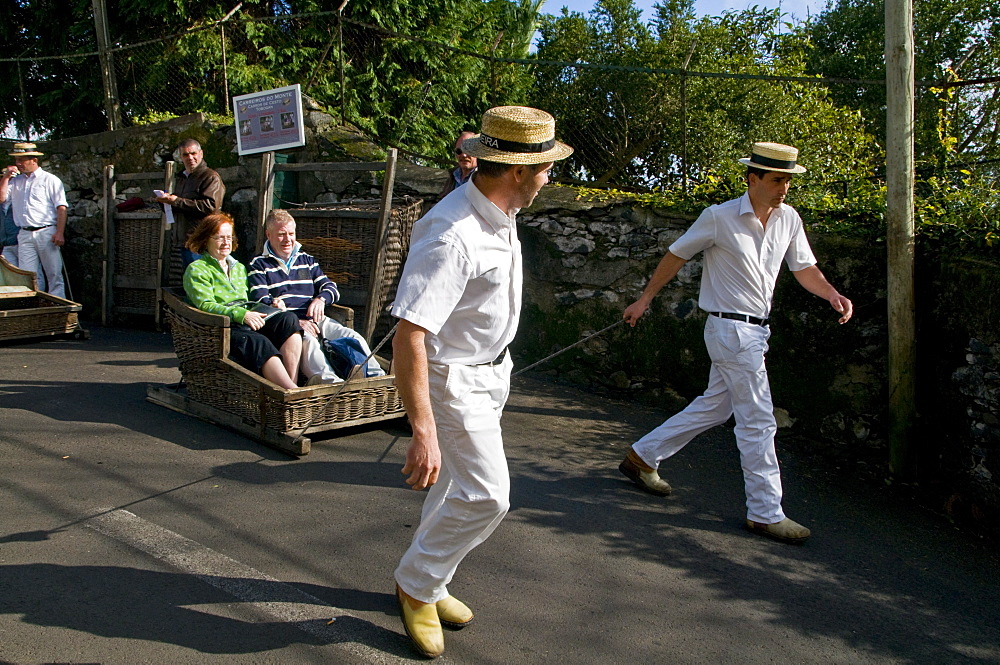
[{"x": 181, "y": 609}]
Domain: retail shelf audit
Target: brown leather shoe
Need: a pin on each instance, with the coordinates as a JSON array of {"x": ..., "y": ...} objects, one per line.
[
  {"x": 644, "y": 476},
  {"x": 786, "y": 531},
  {"x": 453, "y": 613},
  {"x": 420, "y": 620}
]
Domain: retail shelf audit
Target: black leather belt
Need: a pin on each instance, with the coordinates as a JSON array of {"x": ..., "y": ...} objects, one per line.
[
  {"x": 746, "y": 318},
  {"x": 36, "y": 228},
  {"x": 496, "y": 361}
]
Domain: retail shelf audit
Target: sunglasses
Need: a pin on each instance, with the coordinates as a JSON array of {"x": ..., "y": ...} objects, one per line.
[{"x": 459, "y": 151}]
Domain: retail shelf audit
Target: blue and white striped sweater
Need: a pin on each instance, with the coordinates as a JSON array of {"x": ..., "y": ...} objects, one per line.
[{"x": 297, "y": 282}]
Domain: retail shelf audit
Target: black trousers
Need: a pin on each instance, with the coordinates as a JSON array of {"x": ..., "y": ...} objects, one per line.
[{"x": 252, "y": 348}]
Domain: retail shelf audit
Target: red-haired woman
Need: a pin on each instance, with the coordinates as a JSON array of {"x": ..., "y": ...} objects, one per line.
[{"x": 217, "y": 283}]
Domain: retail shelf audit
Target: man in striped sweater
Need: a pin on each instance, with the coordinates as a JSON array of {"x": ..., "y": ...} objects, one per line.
[{"x": 287, "y": 278}]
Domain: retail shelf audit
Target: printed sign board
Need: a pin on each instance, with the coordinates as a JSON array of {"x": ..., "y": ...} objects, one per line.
[{"x": 269, "y": 120}]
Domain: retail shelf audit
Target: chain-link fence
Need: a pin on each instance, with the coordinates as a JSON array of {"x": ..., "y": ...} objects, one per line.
[{"x": 632, "y": 127}]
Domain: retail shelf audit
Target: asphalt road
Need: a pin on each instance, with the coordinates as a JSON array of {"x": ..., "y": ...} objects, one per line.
[{"x": 133, "y": 534}]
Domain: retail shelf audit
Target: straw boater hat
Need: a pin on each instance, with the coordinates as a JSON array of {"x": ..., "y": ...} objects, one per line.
[
  {"x": 25, "y": 150},
  {"x": 517, "y": 135},
  {"x": 774, "y": 157}
]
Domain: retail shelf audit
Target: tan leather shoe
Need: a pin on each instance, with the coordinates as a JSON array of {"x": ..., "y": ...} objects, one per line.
[
  {"x": 787, "y": 531},
  {"x": 644, "y": 475},
  {"x": 453, "y": 613},
  {"x": 420, "y": 620}
]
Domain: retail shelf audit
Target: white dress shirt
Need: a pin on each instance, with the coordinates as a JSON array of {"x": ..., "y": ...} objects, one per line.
[
  {"x": 742, "y": 258},
  {"x": 462, "y": 279},
  {"x": 35, "y": 197}
]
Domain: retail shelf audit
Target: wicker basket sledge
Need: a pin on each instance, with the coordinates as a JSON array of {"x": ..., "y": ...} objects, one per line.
[
  {"x": 26, "y": 312},
  {"x": 216, "y": 389}
]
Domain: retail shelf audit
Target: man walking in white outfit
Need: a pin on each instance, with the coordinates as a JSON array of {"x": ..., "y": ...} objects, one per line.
[
  {"x": 745, "y": 241},
  {"x": 38, "y": 201},
  {"x": 458, "y": 302}
]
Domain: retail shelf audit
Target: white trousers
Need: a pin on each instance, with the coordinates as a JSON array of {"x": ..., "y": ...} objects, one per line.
[
  {"x": 10, "y": 253},
  {"x": 313, "y": 360},
  {"x": 737, "y": 385},
  {"x": 472, "y": 493},
  {"x": 35, "y": 252}
]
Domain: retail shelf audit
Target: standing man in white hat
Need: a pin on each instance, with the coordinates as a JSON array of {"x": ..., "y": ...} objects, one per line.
[
  {"x": 745, "y": 241},
  {"x": 38, "y": 201},
  {"x": 458, "y": 302}
]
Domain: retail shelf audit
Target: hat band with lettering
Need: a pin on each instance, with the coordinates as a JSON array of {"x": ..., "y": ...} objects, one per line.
[{"x": 515, "y": 146}]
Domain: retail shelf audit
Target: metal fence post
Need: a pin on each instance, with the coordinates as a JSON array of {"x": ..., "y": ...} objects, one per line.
[
  {"x": 340, "y": 60},
  {"x": 225, "y": 72},
  {"x": 111, "y": 106},
  {"x": 684, "y": 119},
  {"x": 23, "y": 124},
  {"x": 225, "y": 69}
]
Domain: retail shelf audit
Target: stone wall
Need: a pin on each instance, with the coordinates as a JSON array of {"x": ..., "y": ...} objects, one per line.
[
  {"x": 80, "y": 162},
  {"x": 585, "y": 261}
]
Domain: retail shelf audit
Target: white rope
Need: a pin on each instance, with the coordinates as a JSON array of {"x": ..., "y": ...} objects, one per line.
[{"x": 575, "y": 344}]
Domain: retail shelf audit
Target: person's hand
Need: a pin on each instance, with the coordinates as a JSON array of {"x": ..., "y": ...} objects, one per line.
[
  {"x": 423, "y": 461},
  {"x": 166, "y": 198},
  {"x": 279, "y": 303},
  {"x": 254, "y": 320},
  {"x": 634, "y": 312},
  {"x": 58, "y": 239},
  {"x": 10, "y": 171},
  {"x": 843, "y": 306},
  {"x": 308, "y": 327},
  {"x": 317, "y": 309}
]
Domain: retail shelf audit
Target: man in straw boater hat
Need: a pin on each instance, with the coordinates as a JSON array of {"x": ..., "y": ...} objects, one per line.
[
  {"x": 38, "y": 203},
  {"x": 458, "y": 302},
  {"x": 744, "y": 240}
]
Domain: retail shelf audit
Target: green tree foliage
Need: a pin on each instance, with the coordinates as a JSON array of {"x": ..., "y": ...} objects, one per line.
[
  {"x": 28, "y": 96},
  {"x": 64, "y": 96},
  {"x": 956, "y": 129},
  {"x": 400, "y": 89},
  {"x": 953, "y": 40},
  {"x": 631, "y": 128},
  {"x": 419, "y": 94}
]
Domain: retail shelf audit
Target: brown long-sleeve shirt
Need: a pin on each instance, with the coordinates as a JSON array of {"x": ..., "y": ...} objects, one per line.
[{"x": 198, "y": 194}]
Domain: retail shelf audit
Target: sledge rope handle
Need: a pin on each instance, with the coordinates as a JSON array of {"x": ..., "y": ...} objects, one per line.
[
  {"x": 391, "y": 332},
  {"x": 573, "y": 345}
]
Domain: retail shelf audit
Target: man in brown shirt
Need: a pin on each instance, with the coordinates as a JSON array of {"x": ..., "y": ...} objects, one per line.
[{"x": 198, "y": 191}]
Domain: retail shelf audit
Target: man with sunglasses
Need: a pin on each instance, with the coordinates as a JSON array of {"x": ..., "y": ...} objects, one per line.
[{"x": 466, "y": 166}]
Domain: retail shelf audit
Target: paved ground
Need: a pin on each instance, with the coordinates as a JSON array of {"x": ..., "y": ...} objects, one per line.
[{"x": 132, "y": 534}]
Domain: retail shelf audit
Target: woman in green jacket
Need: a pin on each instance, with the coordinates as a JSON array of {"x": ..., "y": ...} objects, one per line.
[{"x": 217, "y": 283}]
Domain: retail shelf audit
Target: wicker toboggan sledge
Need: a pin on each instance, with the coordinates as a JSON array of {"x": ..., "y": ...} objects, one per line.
[
  {"x": 26, "y": 312},
  {"x": 216, "y": 389}
]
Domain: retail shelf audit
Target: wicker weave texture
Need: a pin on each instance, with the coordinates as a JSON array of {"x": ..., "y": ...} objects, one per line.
[
  {"x": 396, "y": 249},
  {"x": 344, "y": 246},
  {"x": 137, "y": 244},
  {"x": 45, "y": 318},
  {"x": 135, "y": 298},
  {"x": 216, "y": 384}
]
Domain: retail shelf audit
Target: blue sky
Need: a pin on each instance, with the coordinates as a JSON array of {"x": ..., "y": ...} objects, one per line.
[{"x": 796, "y": 8}]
